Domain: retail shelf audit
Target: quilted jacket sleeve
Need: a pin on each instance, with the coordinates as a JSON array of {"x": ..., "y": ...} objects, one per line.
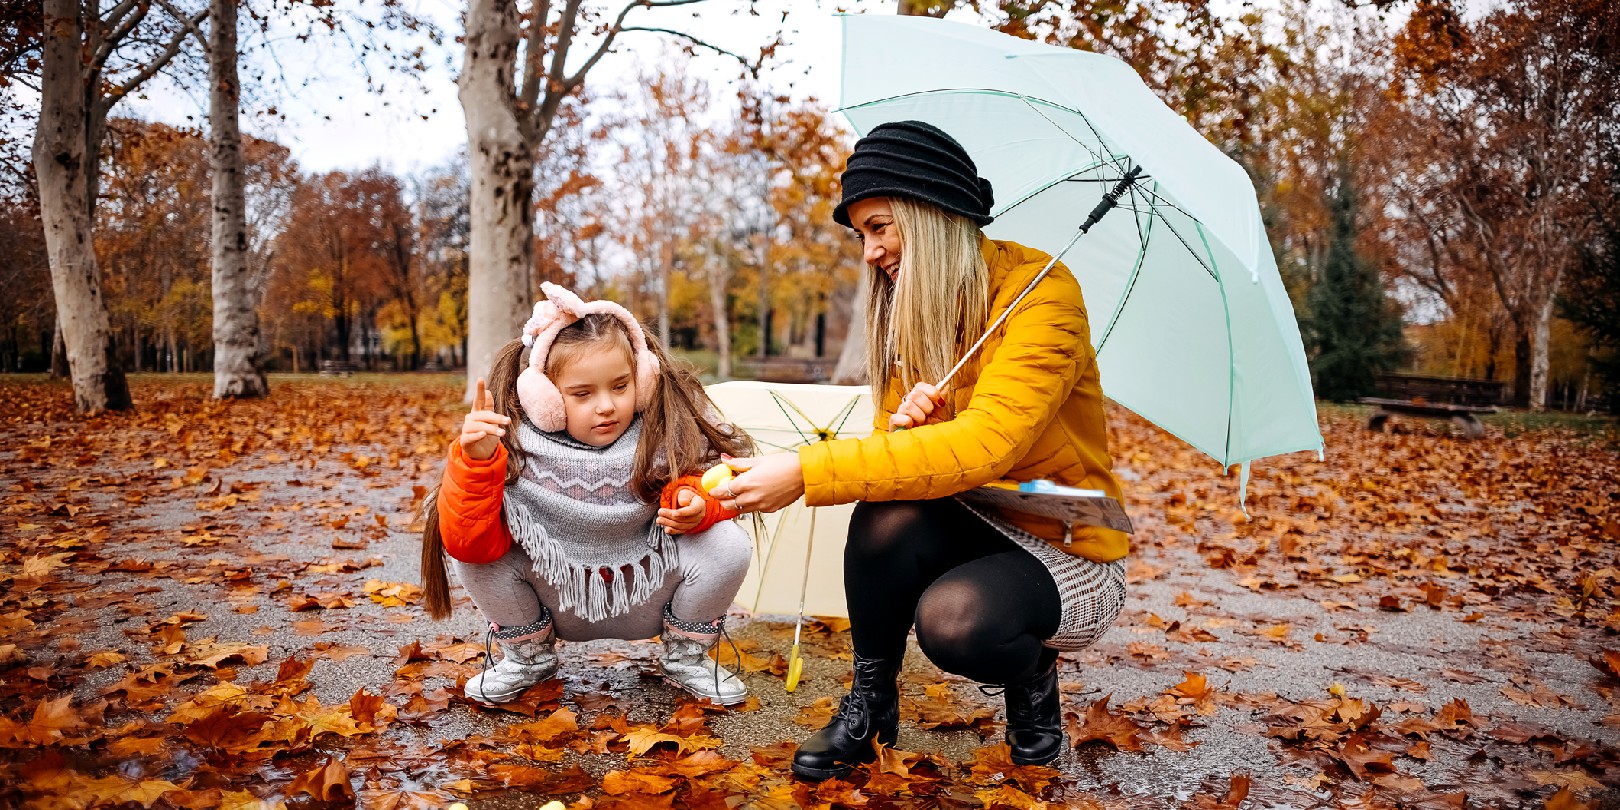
[
  {"x": 470, "y": 518},
  {"x": 1019, "y": 390}
]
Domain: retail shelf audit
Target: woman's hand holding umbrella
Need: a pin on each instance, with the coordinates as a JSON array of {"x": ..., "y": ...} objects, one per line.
[
  {"x": 922, "y": 406},
  {"x": 762, "y": 484}
]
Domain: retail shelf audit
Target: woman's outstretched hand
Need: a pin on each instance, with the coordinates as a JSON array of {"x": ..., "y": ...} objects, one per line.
[
  {"x": 762, "y": 484},
  {"x": 924, "y": 405},
  {"x": 482, "y": 430}
]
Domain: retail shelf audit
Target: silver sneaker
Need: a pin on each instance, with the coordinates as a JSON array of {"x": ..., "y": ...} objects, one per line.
[
  {"x": 530, "y": 656},
  {"x": 685, "y": 661}
]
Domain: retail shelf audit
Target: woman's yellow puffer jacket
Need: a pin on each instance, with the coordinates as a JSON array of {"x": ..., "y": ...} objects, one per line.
[{"x": 1031, "y": 408}]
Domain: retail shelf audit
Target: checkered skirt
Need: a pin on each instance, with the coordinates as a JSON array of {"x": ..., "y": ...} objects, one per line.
[{"x": 1091, "y": 593}]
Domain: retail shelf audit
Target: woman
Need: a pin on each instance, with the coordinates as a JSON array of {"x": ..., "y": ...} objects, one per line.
[{"x": 993, "y": 597}]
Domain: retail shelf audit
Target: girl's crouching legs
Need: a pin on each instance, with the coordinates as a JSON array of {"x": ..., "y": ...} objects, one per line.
[{"x": 519, "y": 623}]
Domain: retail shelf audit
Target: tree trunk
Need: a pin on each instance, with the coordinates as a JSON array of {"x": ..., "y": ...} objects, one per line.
[
  {"x": 722, "y": 322},
  {"x": 1521, "y": 370},
  {"x": 1540, "y": 361},
  {"x": 666, "y": 276},
  {"x": 64, "y": 163},
  {"x": 59, "y": 364},
  {"x": 501, "y": 157},
  {"x": 238, "y": 364},
  {"x": 851, "y": 368}
]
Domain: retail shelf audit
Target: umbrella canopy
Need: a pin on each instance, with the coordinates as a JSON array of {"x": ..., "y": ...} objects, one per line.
[
  {"x": 1192, "y": 326},
  {"x": 798, "y": 540}
]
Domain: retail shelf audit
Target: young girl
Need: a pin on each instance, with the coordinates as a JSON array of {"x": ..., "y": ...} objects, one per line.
[{"x": 571, "y": 507}]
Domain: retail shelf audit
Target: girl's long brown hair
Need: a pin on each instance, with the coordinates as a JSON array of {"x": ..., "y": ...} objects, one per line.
[{"x": 679, "y": 431}]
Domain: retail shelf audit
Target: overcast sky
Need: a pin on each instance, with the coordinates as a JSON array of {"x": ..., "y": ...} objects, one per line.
[{"x": 331, "y": 121}]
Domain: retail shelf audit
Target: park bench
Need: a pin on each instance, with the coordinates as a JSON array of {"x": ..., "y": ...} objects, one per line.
[
  {"x": 1450, "y": 390},
  {"x": 337, "y": 368},
  {"x": 1463, "y": 416}
]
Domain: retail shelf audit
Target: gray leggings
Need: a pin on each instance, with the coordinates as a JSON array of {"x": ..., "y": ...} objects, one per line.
[{"x": 702, "y": 585}]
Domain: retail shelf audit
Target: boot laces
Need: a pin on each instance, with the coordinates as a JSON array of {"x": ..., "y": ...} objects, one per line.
[
  {"x": 489, "y": 659},
  {"x": 735, "y": 654},
  {"x": 852, "y": 710}
]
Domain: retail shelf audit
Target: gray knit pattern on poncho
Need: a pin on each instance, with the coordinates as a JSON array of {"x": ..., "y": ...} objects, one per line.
[{"x": 573, "y": 511}]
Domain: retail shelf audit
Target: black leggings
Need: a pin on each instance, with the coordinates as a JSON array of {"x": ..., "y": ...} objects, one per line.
[{"x": 981, "y": 604}]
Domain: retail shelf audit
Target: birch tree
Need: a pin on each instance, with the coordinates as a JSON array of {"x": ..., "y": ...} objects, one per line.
[
  {"x": 77, "y": 89},
  {"x": 238, "y": 347},
  {"x": 515, "y": 75}
]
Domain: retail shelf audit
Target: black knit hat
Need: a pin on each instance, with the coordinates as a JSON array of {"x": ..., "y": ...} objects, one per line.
[{"x": 916, "y": 160}]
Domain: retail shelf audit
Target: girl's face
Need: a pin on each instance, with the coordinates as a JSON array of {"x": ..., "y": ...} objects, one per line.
[
  {"x": 598, "y": 388},
  {"x": 873, "y": 222}
]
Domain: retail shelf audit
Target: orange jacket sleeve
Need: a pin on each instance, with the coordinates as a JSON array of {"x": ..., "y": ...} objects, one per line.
[
  {"x": 470, "y": 506},
  {"x": 713, "y": 512}
]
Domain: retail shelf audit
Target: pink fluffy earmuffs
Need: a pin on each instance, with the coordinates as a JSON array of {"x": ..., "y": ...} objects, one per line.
[{"x": 541, "y": 400}]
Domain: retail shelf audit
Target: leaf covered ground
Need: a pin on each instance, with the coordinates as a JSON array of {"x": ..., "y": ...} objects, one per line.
[{"x": 217, "y": 605}]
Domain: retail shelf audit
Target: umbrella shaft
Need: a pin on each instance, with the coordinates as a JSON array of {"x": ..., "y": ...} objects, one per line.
[{"x": 1109, "y": 200}]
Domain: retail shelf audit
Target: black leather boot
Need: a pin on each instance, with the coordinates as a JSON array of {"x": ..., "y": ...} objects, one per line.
[
  {"x": 870, "y": 711},
  {"x": 1035, "y": 719}
]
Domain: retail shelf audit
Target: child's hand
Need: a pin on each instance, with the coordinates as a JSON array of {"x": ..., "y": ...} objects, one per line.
[
  {"x": 686, "y": 516},
  {"x": 922, "y": 406},
  {"x": 482, "y": 430}
]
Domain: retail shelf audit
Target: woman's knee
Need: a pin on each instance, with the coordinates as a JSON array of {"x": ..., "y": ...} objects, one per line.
[
  {"x": 880, "y": 529},
  {"x": 955, "y": 625}
]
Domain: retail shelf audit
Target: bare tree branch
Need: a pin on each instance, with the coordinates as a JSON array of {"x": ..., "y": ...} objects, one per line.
[
  {"x": 752, "y": 68},
  {"x": 158, "y": 63},
  {"x": 123, "y": 19},
  {"x": 534, "y": 55},
  {"x": 188, "y": 23},
  {"x": 618, "y": 27},
  {"x": 539, "y": 120}
]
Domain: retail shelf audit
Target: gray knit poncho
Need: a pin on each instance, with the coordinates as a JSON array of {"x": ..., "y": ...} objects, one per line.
[{"x": 573, "y": 511}]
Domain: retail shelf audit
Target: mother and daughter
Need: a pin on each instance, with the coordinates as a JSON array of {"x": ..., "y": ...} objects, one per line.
[{"x": 570, "y": 510}]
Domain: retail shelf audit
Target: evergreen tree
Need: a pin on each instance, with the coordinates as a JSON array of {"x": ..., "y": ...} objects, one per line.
[
  {"x": 1591, "y": 299},
  {"x": 1352, "y": 329}
]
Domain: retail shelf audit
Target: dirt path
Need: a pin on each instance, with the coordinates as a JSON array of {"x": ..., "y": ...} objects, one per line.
[{"x": 215, "y": 605}]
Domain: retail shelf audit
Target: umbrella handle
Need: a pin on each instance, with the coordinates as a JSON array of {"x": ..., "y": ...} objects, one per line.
[
  {"x": 1109, "y": 200},
  {"x": 795, "y": 669}
]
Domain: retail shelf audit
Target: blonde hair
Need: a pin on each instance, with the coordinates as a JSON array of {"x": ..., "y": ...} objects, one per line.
[{"x": 926, "y": 319}]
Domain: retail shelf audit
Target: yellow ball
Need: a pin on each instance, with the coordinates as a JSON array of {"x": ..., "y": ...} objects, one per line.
[
  {"x": 553, "y": 805},
  {"x": 457, "y": 806},
  {"x": 717, "y": 475}
]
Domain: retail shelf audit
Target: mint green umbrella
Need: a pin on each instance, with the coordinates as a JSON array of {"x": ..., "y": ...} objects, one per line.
[{"x": 1192, "y": 326}]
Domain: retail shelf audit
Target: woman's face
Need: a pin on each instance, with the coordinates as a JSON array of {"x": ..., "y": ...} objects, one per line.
[{"x": 873, "y": 222}]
